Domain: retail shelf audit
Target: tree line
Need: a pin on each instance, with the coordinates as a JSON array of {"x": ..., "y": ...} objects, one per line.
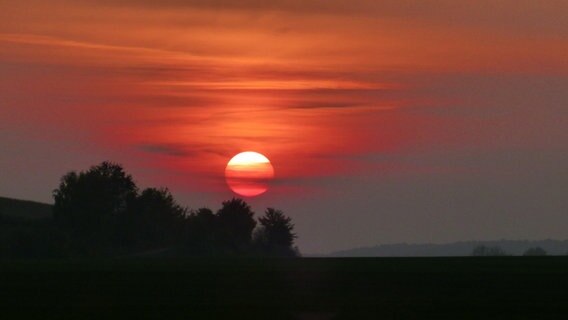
[{"x": 102, "y": 212}]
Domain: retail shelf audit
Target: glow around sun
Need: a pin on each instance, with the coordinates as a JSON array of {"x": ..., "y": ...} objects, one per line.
[{"x": 248, "y": 173}]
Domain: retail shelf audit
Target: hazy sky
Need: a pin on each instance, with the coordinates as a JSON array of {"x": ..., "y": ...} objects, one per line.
[{"x": 385, "y": 121}]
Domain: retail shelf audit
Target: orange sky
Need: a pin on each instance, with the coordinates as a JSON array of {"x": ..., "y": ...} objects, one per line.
[{"x": 330, "y": 91}]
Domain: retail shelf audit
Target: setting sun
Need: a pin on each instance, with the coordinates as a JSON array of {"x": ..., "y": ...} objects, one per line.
[{"x": 248, "y": 173}]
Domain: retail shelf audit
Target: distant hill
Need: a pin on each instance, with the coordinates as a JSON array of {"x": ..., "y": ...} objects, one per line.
[
  {"x": 463, "y": 248},
  {"x": 22, "y": 209}
]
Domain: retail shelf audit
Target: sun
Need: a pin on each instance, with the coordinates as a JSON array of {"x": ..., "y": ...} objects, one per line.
[{"x": 248, "y": 173}]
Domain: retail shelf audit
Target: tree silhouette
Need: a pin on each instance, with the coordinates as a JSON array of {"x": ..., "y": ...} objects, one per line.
[
  {"x": 201, "y": 232},
  {"x": 88, "y": 204},
  {"x": 275, "y": 235},
  {"x": 536, "y": 251},
  {"x": 484, "y": 251},
  {"x": 236, "y": 223},
  {"x": 153, "y": 219},
  {"x": 100, "y": 211}
]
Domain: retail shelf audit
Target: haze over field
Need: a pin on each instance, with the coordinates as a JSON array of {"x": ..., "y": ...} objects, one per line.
[{"x": 385, "y": 121}]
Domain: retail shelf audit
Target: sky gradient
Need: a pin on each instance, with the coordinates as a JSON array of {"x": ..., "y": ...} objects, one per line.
[{"x": 385, "y": 121}]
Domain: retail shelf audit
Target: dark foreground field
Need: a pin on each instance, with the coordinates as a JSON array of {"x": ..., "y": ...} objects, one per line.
[{"x": 308, "y": 288}]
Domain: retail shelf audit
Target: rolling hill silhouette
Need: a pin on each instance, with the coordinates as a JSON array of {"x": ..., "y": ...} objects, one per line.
[
  {"x": 454, "y": 249},
  {"x": 24, "y": 209}
]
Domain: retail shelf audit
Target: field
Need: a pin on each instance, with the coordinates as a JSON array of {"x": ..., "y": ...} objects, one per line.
[{"x": 307, "y": 288}]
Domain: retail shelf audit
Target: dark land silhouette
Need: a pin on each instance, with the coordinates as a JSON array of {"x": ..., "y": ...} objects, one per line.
[
  {"x": 107, "y": 249},
  {"x": 277, "y": 288}
]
